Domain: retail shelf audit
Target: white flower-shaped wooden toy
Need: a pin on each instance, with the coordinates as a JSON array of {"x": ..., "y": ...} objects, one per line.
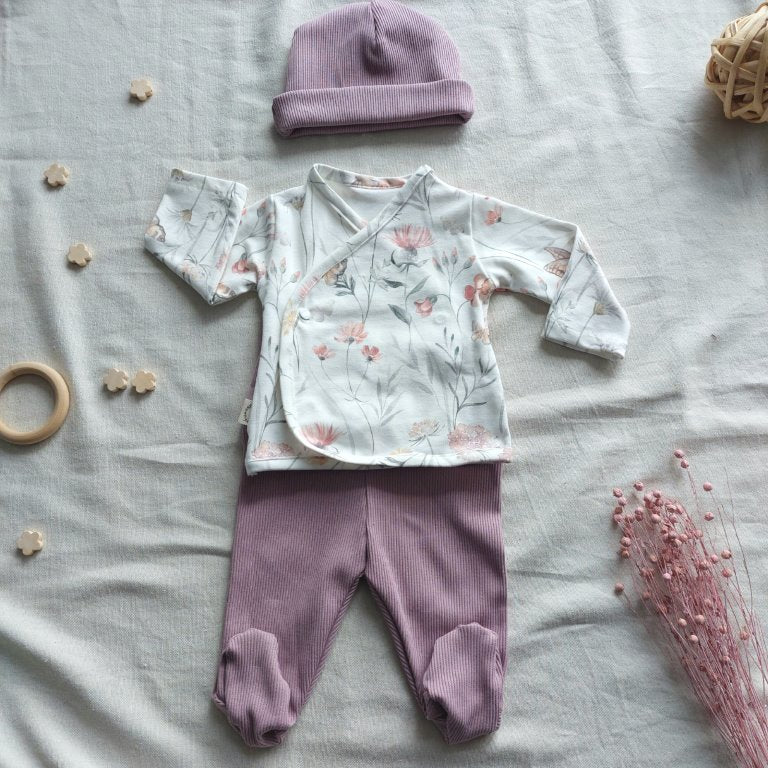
[
  {"x": 144, "y": 381},
  {"x": 79, "y": 254},
  {"x": 115, "y": 379},
  {"x": 56, "y": 175},
  {"x": 30, "y": 542},
  {"x": 141, "y": 89}
]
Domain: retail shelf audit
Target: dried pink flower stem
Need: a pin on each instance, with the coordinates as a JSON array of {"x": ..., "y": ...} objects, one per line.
[{"x": 694, "y": 588}]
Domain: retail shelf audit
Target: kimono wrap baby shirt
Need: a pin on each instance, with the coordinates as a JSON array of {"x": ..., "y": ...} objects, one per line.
[{"x": 376, "y": 350}]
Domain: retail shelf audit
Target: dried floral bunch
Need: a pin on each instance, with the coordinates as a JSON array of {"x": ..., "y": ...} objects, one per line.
[{"x": 703, "y": 602}]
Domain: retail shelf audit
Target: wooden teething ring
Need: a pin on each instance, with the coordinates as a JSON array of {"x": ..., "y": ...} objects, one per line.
[{"x": 60, "y": 409}]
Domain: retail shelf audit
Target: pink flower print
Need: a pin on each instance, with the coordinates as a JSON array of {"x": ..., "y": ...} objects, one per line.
[
  {"x": 307, "y": 287},
  {"x": 323, "y": 351},
  {"x": 222, "y": 260},
  {"x": 424, "y": 307},
  {"x": 372, "y": 181},
  {"x": 411, "y": 237},
  {"x": 470, "y": 437},
  {"x": 351, "y": 333},
  {"x": 242, "y": 265},
  {"x": 424, "y": 428},
  {"x": 320, "y": 435},
  {"x": 371, "y": 354},
  {"x": 493, "y": 216},
  {"x": 481, "y": 290},
  {"x": 267, "y": 450}
]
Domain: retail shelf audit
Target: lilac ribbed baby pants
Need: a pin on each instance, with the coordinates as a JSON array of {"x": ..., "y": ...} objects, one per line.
[{"x": 428, "y": 542}]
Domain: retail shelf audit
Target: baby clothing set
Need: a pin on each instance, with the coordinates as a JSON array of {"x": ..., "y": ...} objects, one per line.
[{"x": 375, "y": 355}]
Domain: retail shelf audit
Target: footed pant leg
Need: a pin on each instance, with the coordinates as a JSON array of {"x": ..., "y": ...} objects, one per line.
[
  {"x": 297, "y": 555},
  {"x": 436, "y": 567}
]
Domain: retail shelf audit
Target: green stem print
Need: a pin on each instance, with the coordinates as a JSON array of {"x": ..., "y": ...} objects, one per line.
[
  {"x": 199, "y": 192},
  {"x": 332, "y": 382},
  {"x": 193, "y": 266},
  {"x": 272, "y": 410},
  {"x": 227, "y": 200},
  {"x": 370, "y": 429},
  {"x": 347, "y": 287},
  {"x": 350, "y": 432},
  {"x": 405, "y": 307},
  {"x": 261, "y": 229},
  {"x": 471, "y": 387},
  {"x": 578, "y": 340},
  {"x": 386, "y": 399},
  {"x": 349, "y": 380},
  {"x": 362, "y": 379},
  {"x": 371, "y": 287}
]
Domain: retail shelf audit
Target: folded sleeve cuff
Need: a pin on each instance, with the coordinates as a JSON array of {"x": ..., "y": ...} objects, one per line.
[
  {"x": 194, "y": 227},
  {"x": 609, "y": 344},
  {"x": 585, "y": 315}
]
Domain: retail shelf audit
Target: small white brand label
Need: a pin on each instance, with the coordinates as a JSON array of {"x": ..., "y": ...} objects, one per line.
[{"x": 245, "y": 412}]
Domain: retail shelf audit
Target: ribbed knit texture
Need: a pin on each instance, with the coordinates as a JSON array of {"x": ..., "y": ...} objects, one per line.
[
  {"x": 371, "y": 67},
  {"x": 429, "y": 543}
]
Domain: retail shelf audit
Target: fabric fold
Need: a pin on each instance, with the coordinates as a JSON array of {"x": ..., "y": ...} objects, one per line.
[{"x": 372, "y": 107}]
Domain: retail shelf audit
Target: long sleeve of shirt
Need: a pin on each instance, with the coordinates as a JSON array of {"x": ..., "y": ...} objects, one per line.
[
  {"x": 204, "y": 233},
  {"x": 526, "y": 252},
  {"x": 374, "y": 291}
]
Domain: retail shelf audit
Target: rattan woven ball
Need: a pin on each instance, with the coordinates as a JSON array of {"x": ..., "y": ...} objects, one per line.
[{"x": 736, "y": 71}]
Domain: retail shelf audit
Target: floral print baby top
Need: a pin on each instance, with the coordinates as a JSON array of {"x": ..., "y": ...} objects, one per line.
[{"x": 375, "y": 345}]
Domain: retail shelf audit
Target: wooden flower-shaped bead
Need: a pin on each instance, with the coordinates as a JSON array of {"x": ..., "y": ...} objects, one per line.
[
  {"x": 141, "y": 89},
  {"x": 115, "y": 379},
  {"x": 56, "y": 175},
  {"x": 30, "y": 542},
  {"x": 144, "y": 381},
  {"x": 79, "y": 254}
]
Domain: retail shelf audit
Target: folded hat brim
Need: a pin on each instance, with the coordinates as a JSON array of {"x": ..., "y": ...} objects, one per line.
[{"x": 359, "y": 108}]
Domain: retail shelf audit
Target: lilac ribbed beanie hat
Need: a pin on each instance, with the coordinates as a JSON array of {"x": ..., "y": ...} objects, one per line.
[{"x": 371, "y": 67}]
